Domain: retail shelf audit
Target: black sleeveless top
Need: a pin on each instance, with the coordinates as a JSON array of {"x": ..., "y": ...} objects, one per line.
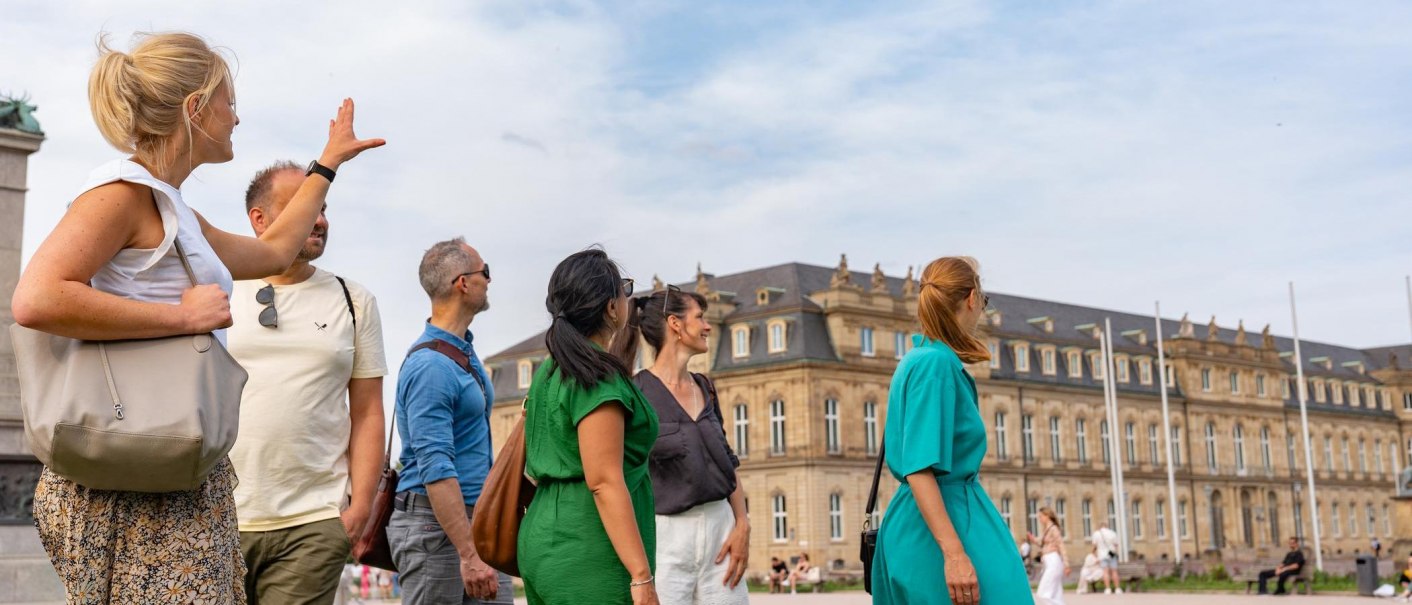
[{"x": 691, "y": 463}]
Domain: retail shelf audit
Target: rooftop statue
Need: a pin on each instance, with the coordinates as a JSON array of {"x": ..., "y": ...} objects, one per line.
[
  {"x": 841, "y": 276},
  {"x": 879, "y": 280},
  {"x": 18, "y": 114}
]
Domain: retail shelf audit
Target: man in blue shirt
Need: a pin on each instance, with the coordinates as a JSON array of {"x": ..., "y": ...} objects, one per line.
[{"x": 443, "y": 406}]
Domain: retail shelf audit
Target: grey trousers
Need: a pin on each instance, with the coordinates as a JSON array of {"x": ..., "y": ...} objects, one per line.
[{"x": 429, "y": 567}]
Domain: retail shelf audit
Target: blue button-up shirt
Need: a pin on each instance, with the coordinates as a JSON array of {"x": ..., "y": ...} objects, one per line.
[{"x": 442, "y": 418}]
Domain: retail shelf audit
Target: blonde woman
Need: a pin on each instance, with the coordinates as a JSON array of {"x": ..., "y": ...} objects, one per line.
[
  {"x": 110, "y": 270},
  {"x": 942, "y": 541},
  {"x": 1051, "y": 549}
]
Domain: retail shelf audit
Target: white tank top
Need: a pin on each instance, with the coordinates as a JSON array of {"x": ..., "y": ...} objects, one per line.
[{"x": 156, "y": 274}]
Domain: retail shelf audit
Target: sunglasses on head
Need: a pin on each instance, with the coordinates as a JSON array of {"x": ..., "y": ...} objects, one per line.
[{"x": 667, "y": 297}]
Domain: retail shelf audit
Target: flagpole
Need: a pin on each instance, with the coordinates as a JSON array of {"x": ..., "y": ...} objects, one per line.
[
  {"x": 1111, "y": 448},
  {"x": 1167, "y": 436},
  {"x": 1304, "y": 424},
  {"x": 1116, "y": 453},
  {"x": 1409, "y": 300}
]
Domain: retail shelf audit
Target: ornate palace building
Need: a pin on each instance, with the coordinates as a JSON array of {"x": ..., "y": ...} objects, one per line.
[{"x": 803, "y": 356}]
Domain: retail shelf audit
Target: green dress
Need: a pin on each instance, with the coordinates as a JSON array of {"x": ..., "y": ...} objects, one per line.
[
  {"x": 564, "y": 552},
  {"x": 933, "y": 422}
]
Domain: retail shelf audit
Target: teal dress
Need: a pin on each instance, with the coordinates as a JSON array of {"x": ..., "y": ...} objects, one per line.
[{"x": 933, "y": 423}]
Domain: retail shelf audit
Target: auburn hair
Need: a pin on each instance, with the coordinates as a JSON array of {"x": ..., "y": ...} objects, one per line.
[{"x": 946, "y": 283}]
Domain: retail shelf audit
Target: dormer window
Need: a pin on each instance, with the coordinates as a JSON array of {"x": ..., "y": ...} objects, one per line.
[
  {"x": 766, "y": 295},
  {"x": 1138, "y": 336},
  {"x": 994, "y": 346},
  {"x": 1022, "y": 357},
  {"x": 1336, "y": 389},
  {"x": 1047, "y": 362},
  {"x": 1319, "y": 392},
  {"x": 1322, "y": 360},
  {"x": 524, "y": 373},
  {"x": 1043, "y": 323},
  {"x": 1356, "y": 366},
  {"x": 1074, "y": 360},
  {"x": 993, "y": 315},
  {"x": 1144, "y": 370},
  {"x": 1120, "y": 368},
  {"x": 776, "y": 331},
  {"x": 740, "y": 341},
  {"x": 1095, "y": 365}
]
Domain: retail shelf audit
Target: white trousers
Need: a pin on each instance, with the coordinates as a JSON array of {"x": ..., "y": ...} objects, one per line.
[
  {"x": 687, "y": 545},
  {"x": 1051, "y": 580}
]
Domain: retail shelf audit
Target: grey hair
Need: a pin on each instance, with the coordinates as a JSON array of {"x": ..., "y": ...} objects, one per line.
[
  {"x": 441, "y": 264},
  {"x": 257, "y": 195}
]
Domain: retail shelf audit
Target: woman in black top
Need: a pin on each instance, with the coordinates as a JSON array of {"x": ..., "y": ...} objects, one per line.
[{"x": 700, "y": 504}]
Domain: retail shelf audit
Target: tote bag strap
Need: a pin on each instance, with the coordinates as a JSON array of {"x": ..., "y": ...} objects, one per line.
[{"x": 119, "y": 408}]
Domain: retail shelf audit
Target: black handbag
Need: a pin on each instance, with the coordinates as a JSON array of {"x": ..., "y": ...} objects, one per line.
[{"x": 869, "y": 538}]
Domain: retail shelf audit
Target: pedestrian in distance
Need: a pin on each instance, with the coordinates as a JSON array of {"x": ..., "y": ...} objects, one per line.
[
  {"x": 1050, "y": 542},
  {"x": 1106, "y": 544},
  {"x": 589, "y": 534},
  {"x": 444, "y": 397},
  {"x": 311, "y": 423},
  {"x": 111, "y": 269},
  {"x": 942, "y": 540},
  {"x": 700, "y": 503}
]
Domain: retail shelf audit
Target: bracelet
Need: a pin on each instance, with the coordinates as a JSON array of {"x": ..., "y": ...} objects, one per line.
[{"x": 649, "y": 580}]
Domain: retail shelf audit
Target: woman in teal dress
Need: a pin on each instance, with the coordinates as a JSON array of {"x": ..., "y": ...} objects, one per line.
[
  {"x": 941, "y": 540},
  {"x": 590, "y": 532}
]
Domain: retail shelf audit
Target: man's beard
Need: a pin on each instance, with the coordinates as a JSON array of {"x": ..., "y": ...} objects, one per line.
[{"x": 312, "y": 252}]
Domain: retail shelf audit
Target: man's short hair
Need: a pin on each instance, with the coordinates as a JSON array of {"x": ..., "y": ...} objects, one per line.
[
  {"x": 257, "y": 195},
  {"x": 441, "y": 265}
]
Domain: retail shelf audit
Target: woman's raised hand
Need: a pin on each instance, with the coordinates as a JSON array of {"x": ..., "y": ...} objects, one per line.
[{"x": 343, "y": 145}]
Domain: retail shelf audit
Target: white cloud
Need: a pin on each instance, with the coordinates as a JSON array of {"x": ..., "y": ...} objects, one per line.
[{"x": 1110, "y": 156}]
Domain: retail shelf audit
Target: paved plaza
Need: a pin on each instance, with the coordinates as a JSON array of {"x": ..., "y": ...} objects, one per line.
[{"x": 860, "y": 598}]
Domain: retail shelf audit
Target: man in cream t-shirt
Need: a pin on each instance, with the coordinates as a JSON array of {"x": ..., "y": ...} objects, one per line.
[{"x": 311, "y": 417}]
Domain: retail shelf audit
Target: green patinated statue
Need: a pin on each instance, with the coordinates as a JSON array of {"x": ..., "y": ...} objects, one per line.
[{"x": 18, "y": 114}]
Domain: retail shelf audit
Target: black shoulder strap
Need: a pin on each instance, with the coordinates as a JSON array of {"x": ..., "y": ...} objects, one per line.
[
  {"x": 348, "y": 298},
  {"x": 715, "y": 399},
  {"x": 877, "y": 474}
]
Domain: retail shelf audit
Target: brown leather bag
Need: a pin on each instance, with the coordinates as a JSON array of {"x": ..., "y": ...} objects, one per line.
[
  {"x": 495, "y": 524},
  {"x": 371, "y": 547}
]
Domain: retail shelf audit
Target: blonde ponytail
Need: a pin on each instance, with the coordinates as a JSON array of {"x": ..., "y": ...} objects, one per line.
[
  {"x": 946, "y": 282},
  {"x": 138, "y": 99}
]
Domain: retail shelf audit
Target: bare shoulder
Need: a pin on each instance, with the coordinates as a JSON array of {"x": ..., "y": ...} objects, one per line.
[{"x": 114, "y": 196}]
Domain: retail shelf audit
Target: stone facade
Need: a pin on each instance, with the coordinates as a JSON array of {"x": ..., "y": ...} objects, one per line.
[
  {"x": 25, "y": 573},
  {"x": 802, "y": 357}
]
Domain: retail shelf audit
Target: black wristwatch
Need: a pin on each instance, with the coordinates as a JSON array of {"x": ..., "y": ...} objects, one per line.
[{"x": 324, "y": 171}]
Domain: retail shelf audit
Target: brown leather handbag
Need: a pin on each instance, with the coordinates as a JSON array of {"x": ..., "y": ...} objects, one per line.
[
  {"x": 495, "y": 524},
  {"x": 371, "y": 547}
]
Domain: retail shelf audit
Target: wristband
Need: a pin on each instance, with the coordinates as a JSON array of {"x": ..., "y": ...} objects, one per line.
[
  {"x": 649, "y": 580},
  {"x": 324, "y": 171}
]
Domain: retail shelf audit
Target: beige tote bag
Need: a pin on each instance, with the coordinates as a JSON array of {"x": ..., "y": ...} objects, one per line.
[{"x": 150, "y": 415}]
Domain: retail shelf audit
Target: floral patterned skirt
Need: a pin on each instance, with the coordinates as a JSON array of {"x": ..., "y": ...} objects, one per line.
[{"x": 133, "y": 547}]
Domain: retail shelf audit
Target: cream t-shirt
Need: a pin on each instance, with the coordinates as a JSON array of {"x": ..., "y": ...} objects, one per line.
[{"x": 291, "y": 455}]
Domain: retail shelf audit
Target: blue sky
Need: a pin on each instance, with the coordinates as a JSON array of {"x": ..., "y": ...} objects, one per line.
[{"x": 1100, "y": 153}]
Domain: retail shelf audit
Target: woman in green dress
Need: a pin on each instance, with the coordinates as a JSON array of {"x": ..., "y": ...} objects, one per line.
[
  {"x": 589, "y": 533},
  {"x": 941, "y": 540}
]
